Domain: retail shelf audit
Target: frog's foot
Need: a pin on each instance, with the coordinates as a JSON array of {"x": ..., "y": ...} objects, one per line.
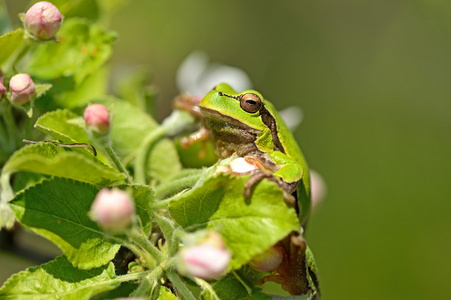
[
  {"x": 260, "y": 175},
  {"x": 293, "y": 273},
  {"x": 201, "y": 135}
]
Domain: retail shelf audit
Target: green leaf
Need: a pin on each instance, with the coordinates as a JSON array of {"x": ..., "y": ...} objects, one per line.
[
  {"x": 49, "y": 159},
  {"x": 82, "y": 49},
  {"x": 248, "y": 226},
  {"x": 165, "y": 294},
  {"x": 41, "y": 89},
  {"x": 130, "y": 127},
  {"x": 230, "y": 287},
  {"x": 9, "y": 43},
  {"x": 55, "y": 124},
  {"x": 58, "y": 125},
  {"x": 58, "y": 279},
  {"x": 227, "y": 288},
  {"x": 57, "y": 209}
]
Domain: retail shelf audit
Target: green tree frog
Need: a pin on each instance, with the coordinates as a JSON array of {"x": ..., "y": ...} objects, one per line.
[{"x": 247, "y": 124}]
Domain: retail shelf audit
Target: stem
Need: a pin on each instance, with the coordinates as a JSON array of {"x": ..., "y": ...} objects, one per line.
[
  {"x": 141, "y": 158},
  {"x": 26, "y": 45},
  {"x": 169, "y": 232},
  {"x": 249, "y": 290},
  {"x": 186, "y": 172},
  {"x": 146, "y": 245},
  {"x": 141, "y": 253},
  {"x": 180, "y": 285},
  {"x": 3, "y": 134},
  {"x": 148, "y": 282},
  {"x": 27, "y": 126},
  {"x": 202, "y": 283},
  {"x": 174, "y": 124},
  {"x": 176, "y": 186},
  {"x": 163, "y": 204},
  {"x": 116, "y": 161},
  {"x": 132, "y": 276},
  {"x": 6, "y": 194},
  {"x": 10, "y": 126}
]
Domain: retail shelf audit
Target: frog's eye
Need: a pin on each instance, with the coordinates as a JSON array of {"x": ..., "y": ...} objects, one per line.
[{"x": 250, "y": 102}]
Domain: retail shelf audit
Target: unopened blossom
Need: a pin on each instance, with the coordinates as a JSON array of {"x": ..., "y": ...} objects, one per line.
[
  {"x": 43, "y": 20},
  {"x": 268, "y": 261},
  {"x": 113, "y": 210},
  {"x": 204, "y": 261},
  {"x": 207, "y": 260},
  {"x": 97, "y": 117},
  {"x": 22, "y": 88}
]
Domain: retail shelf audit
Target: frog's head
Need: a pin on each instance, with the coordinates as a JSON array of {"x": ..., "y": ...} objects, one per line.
[{"x": 245, "y": 107}]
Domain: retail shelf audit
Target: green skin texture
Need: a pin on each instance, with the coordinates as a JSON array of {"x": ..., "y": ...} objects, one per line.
[{"x": 293, "y": 167}]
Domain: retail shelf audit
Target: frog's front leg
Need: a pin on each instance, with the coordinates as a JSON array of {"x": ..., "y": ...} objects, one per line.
[
  {"x": 276, "y": 167},
  {"x": 259, "y": 175},
  {"x": 190, "y": 104}
]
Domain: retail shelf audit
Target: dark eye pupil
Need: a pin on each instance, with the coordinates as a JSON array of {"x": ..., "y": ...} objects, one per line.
[{"x": 250, "y": 103}]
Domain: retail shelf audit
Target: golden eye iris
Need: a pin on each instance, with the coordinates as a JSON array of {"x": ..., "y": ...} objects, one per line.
[{"x": 250, "y": 102}]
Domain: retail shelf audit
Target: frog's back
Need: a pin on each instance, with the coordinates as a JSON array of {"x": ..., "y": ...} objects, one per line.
[
  {"x": 293, "y": 150},
  {"x": 286, "y": 137}
]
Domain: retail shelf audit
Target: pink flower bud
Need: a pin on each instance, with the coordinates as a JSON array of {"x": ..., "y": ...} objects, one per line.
[
  {"x": 214, "y": 239},
  {"x": 43, "y": 20},
  {"x": 113, "y": 210},
  {"x": 204, "y": 261},
  {"x": 22, "y": 88},
  {"x": 268, "y": 261},
  {"x": 97, "y": 117},
  {"x": 2, "y": 90}
]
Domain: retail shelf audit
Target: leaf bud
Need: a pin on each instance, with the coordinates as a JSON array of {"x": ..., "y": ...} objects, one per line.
[
  {"x": 22, "y": 88},
  {"x": 97, "y": 118},
  {"x": 43, "y": 20},
  {"x": 207, "y": 260},
  {"x": 113, "y": 210},
  {"x": 267, "y": 261}
]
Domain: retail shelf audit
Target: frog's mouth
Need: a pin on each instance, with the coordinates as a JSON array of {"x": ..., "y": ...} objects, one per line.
[{"x": 217, "y": 121}]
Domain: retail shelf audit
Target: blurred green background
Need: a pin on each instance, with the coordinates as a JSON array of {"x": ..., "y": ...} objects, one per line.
[{"x": 372, "y": 78}]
